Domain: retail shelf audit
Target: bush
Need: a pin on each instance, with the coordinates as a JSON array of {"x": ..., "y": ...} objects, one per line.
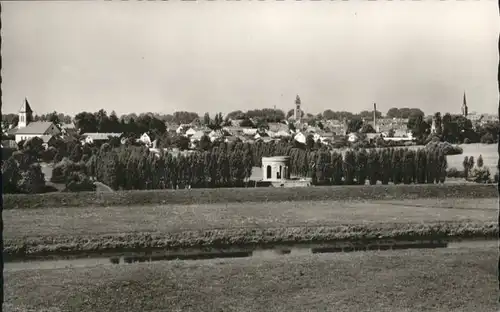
[
  {"x": 79, "y": 182},
  {"x": 455, "y": 173},
  {"x": 480, "y": 175},
  {"x": 32, "y": 180},
  {"x": 49, "y": 154},
  {"x": 7, "y": 152},
  {"x": 11, "y": 174},
  {"x": 446, "y": 147},
  {"x": 487, "y": 139},
  {"x": 63, "y": 170}
]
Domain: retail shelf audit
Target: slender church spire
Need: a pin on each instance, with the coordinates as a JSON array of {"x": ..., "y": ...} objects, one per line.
[{"x": 465, "y": 109}]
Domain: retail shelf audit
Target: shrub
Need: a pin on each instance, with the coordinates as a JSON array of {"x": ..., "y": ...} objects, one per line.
[
  {"x": 480, "y": 175},
  {"x": 79, "y": 182},
  {"x": 32, "y": 180},
  {"x": 49, "y": 154},
  {"x": 455, "y": 173},
  {"x": 446, "y": 147},
  {"x": 63, "y": 170},
  {"x": 11, "y": 174},
  {"x": 7, "y": 152},
  {"x": 487, "y": 139}
]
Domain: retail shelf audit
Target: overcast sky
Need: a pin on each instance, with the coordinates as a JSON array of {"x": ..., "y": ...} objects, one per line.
[{"x": 224, "y": 56}]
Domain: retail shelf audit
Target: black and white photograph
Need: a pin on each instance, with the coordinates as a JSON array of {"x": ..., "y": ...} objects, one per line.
[{"x": 254, "y": 156}]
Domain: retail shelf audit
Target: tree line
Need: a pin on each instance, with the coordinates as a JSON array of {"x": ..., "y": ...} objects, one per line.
[{"x": 230, "y": 165}]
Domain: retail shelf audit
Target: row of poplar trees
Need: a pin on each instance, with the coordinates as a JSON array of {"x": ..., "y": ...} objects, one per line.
[{"x": 230, "y": 165}]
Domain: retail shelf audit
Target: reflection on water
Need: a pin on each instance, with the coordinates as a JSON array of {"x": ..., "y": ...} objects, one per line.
[{"x": 295, "y": 250}]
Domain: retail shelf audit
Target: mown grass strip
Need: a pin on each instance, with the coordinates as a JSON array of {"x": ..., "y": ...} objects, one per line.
[
  {"x": 247, "y": 237},
  {"x": 237, "y": 195}
]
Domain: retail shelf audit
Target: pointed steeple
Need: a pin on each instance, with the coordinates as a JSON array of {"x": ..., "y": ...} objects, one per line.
[
  {"x": 465, "y": 109},
  {"x": 25, "y": 114},
  {"x": 26, "y": 108}
]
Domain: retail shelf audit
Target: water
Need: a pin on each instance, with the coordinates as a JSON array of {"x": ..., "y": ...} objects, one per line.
[{"x": 294, "y": 250}]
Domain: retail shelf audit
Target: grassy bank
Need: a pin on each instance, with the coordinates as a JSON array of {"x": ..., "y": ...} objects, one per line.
[
  {"x": 236, "y": 195},
  {"x": 220, "y": 238},
  {"x": 415, "y": 280}
]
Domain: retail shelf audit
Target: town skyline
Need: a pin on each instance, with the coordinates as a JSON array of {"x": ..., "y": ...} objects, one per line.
[{"x": 87, "y": 56}]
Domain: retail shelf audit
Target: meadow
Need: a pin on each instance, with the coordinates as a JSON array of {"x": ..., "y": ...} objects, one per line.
[
  {"x": 61, "y": 224},
  {"x": 221, "y": 225},
  {"x": 248, "y": 195},
  {"x": 460, "y": 279},
  {"x": 488, "y": 151}
]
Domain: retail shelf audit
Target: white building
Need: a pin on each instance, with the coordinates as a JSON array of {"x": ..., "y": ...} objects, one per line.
[
  {"x": 26, "y": 129},
  {"x": 300, "y": 137},
  {"x": 146, "y": 139}
]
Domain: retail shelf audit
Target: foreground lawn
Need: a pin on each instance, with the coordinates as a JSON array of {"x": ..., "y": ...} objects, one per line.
[
  {"x": 53, "y": 222},
  {"x": 463, "y": 279}
]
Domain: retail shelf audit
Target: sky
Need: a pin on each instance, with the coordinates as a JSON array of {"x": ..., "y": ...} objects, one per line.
[{"x": 135, "y": 57}]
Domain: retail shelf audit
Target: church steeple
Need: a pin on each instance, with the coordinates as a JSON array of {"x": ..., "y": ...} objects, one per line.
[
  {"x": 297, "y": 112},
  {"x": 25, "y": 114},
  {"x": 465, "y": 109}
]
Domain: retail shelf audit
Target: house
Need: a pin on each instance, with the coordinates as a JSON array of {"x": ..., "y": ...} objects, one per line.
[
  {"x": 263, "y": 136},
  {"x": 276, "y": 126},
  {"x": 270, "y": 133},
  {"x": 47, "y": 139},
  {"x": 234, "y": 131},
  {"x": 197, "y": 136},
  {"x": 352, "y": 137},
  {"x": 217, "y": 134},
  {"x": 300, "y": 137},
  {"x": 171, "y": 126},
  {"x": 190, "y": 132},
  {"x": 183, "y": 128},
  {"x": 310, "y": 129},
  {"x": 231, "y": 139},
  {"x": 36, "y": 129},
  {"x": 283, "y": 134},
  {"x": 98, "y": 137},
  {"x": 9, "y": 143},
  {"x": 372, "y": 136},
  {"x": 68, "y": 129},
  {"x": 249, "y": 131},
  {"x": 146, "y": 139}
]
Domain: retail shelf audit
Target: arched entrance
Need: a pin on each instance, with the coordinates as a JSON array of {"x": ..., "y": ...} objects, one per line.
[{"x": 268, "y": 173}]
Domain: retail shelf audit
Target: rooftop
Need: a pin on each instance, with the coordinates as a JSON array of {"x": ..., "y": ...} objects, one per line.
[{"x": 36, "y": 127}]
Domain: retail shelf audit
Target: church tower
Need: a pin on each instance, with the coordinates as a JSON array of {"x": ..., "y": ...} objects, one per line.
[
  {"x": 298, "y": 112},
  {"x": 465, "y": 109},
  {"x": 25, "y": 114}
]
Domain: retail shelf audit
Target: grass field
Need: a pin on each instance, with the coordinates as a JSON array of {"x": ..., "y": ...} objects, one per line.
[
  {"x": 102, "y": 228},
  {"x": 488, "y": 151},
  {"x": 446, "y": 280},
  {"x": 245, "y": 195}
]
